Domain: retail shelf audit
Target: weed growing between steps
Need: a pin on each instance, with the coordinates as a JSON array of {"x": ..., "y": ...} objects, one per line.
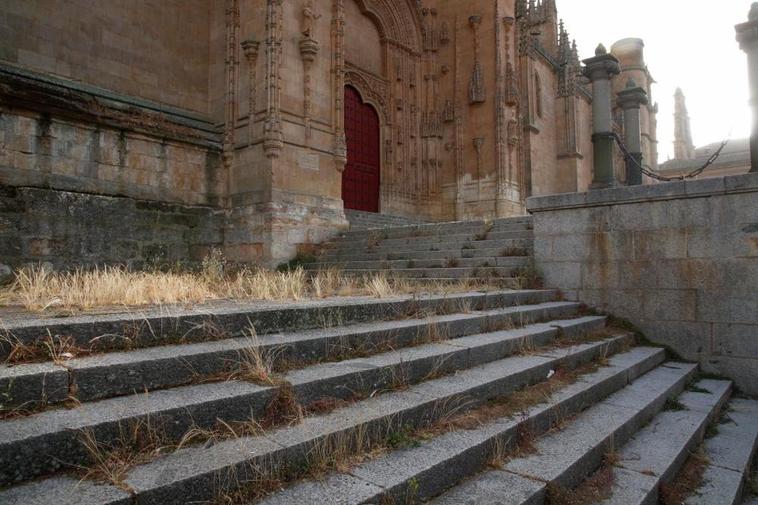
[
  {"x": 689, "y": 479},
  {"x": 343, "y": 452},
  {"x": 596, "y": 488}
]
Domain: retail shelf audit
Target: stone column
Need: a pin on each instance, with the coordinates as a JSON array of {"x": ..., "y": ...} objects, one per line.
[
  {"x": 631, "y": 99},
  {"x": 747, "y": 36},
  {"x": 599, "y": 70}
]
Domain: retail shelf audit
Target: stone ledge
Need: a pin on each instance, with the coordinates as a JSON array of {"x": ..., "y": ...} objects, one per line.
[{"x": 746, "y": 183}]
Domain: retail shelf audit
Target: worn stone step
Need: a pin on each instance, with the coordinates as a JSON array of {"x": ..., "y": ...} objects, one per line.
[
  {"x": 426, "y": 471},
  {"x": 424, "y": 254},
  {"x": 730, "y": 453},
  {"x": 120, "y": 373},
  {"x": 196, "y": 474},
  {"x": 442, "y": 273},
  {"x": 57, "y": 432},
  {"x": 482, "y": 262},
  {"x": 383, "y": 237},
  {"x": 453, "y": 226},
  {"x": 156, "y": 326},
  {"x": 657, "y": 452},
  {"x": 424, "y": 245}
]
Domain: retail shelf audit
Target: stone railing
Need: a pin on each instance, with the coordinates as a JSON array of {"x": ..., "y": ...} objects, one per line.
[{"x": 679, "y": 260}]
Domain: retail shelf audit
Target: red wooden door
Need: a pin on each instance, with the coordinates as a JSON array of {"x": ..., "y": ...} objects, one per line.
[{"x": 360, "y": 180}]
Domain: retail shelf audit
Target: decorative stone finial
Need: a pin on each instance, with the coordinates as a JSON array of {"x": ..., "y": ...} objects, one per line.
[
  {"x": 601, "y": 50},
  {"x": 753, "y": 15}
]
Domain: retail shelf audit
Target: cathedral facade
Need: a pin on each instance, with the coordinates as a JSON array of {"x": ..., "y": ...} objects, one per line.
[{"x": 251, "y": 125}]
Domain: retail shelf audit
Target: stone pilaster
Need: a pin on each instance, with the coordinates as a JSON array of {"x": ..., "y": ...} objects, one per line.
[
  {"x": 599, "y": 70},
  {"x": 630, "y": 99},
  {"x": 747, "y": 36}
]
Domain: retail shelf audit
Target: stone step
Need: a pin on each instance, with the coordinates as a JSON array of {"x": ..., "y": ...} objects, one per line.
[
  {"x": 168, "y": 324},
  {"x": 657, "y": 452},
  {"x": 120, "y": 373},
  {"x": 419, "y": 237},
  {"x": 422, "y": 254},
  {"x": 442, "y": 273},
  {"x": 196, "y": 474},
  {"x": 729, "y": 453},
  {"x": 436, "y": 465},
  {"x": 200, "y": 405},
  {"x": 449, "y": 227},
  {"x": 483, "y": 262},
  {"x": 421, "y": 243}
]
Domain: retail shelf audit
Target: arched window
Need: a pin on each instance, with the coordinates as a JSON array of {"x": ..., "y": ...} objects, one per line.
[{"x": 538, "y": 94}]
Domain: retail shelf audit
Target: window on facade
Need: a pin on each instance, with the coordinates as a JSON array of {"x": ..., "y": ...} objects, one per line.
[{"x": 538, "y": 94}]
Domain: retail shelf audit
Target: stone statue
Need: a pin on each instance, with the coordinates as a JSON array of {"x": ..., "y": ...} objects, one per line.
[{"x": 309, "y": 17}]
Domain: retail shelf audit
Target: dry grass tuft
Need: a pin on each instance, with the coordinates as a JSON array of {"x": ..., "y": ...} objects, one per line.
[
  {"x": 53, "y": 348},
  {"x": 256, "y": 364},
  {"x": 596, "y": 488},
  {"x": 283, "y": 409},
  {"x": 689, "y": 479},
  {"x": 39, "y": 288},
  {"x": 137, "y": 443}
]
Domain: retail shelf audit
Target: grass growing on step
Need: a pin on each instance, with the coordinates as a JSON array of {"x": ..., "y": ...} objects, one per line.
[
  {"x": 753, "y": 481},
  {"x": 136, "y": 443},
  {"x": 342, "y": 452},
  {"x": 689, "y": 479},
  {"x": 672, "y": 404},
  {"x": 255, "y": 364},
  {"x": 41, "y": 289},
  {"x": 596, "y": 488},
  {"x": 53, "y": 348}
]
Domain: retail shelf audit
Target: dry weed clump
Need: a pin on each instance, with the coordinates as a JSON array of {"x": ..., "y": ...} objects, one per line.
[
  {"x": 689, "y": 479},
  {"x": 39, "y": 288}
]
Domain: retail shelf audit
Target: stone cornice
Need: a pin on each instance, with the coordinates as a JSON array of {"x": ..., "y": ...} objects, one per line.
[{"x": 28, "y": 90}]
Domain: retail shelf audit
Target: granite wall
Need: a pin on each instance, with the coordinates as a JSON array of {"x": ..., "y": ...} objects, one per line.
[
  {"x": 679, "y": 260},
  {"x": 69, "y": 229}
]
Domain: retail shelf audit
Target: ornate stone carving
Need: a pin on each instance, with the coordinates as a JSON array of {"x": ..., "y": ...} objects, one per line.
[
  {"x": 338, "y": 48},
  {"x": 310, "y": 16},
  {"x": 477, "y": 92},
  {"x": 448, "y": 113},
  {"x": 373, "y": 89},
  {"x": 273, "y": 141},
  {"x": 232, "y": 77},
  {"x": 250, "y": 48},
  {"x": 444, "y": 33}
]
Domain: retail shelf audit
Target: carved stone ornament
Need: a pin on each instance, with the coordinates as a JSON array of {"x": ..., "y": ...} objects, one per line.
[{"x": 477, "y": 92}]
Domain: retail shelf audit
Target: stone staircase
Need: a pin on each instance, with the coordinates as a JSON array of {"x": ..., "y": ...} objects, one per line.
[
  {"x": 360, "y": 220},
  {"x": 498, "y": 250},
  {"x": 472, "y": 398}
]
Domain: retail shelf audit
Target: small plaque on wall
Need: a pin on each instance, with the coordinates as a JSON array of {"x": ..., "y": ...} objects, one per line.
[{"x": 308, "y": 161}]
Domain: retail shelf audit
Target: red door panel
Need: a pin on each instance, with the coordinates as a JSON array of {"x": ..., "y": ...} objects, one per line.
[{"x": 360, "y": 180}]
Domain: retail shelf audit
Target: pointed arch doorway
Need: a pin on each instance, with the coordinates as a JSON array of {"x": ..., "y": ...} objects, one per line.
[{"x": 361, "y": 178}]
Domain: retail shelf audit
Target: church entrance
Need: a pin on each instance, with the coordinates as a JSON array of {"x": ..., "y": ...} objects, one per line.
[{"x": 360, "y": 180}]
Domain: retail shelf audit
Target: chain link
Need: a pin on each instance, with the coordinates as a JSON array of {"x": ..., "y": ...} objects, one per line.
[{"x": 649, "y": 171}]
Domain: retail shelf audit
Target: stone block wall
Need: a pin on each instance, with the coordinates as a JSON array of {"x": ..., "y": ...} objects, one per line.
[
  {"x": 679, "y": 260},
  {"x": 69, "y": 229}
]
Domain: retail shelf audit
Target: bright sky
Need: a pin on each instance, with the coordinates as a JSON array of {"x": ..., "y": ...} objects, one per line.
[{"x": 688, "y": 43}]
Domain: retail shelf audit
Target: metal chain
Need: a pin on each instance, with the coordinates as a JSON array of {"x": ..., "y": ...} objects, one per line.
[{"x": 649, "y": 171}]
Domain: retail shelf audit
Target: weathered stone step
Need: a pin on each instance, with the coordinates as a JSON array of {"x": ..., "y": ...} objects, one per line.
[
  {"x": 657, "y": 452},
  {"x": 169, "y": 324},
  {"x": 483, "y": 262},
  {"x": 500, "y": 251},
  {"x": 138, "y": 371},
  {"x": 730, "y": 453},
  {"x": 179, "y": 409},
  {"x": 426, "y": 471},
  {"x": 197, "y": 474},
  {"x": 383, "y": 237},
  {"x": 449, "y": 227},
  {"x": 449, "y": 242},
  {"x": 442, "y": 273}
]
